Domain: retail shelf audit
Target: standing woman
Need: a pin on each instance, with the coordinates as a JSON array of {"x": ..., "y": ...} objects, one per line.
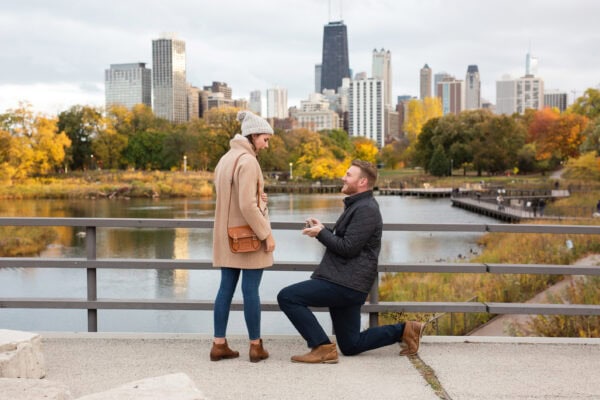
[{"x": 241, "y": 201}]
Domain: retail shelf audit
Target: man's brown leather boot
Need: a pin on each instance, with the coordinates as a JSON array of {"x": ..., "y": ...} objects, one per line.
[
  {"x": 257, "y": 352},
  {"x": 221, "y": 351},
  {"x": 323, "y": 354},
  {"x": 411, "y": 337}
]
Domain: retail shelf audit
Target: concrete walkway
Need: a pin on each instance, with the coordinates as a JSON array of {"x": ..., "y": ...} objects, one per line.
[{"x": 465, "y": 367}]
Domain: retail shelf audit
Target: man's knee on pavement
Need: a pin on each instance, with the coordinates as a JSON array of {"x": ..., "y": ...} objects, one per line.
[{"x": 348, "y": 349}]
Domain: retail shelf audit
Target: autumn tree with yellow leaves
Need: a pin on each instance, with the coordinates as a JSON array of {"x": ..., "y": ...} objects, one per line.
[{"x": 30, "y": 144}]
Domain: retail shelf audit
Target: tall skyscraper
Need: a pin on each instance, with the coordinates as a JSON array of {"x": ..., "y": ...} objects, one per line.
[
  {"x": 256, "y": 102},
  {"x": 335, "y": 63},
  {"x": 425, "y": 82},
  {"x": 277, "y": 103},
  {"x": 472, "y": 88},
  {"x": 128, "y": 85},
  {"x": 531, "y": 65},
  {"x": 318, "y": 78},
  {"x": 366, "y": 110},
  {"x": 452, "y": 93},
  {"x": 169, "y": 79},
  {"x": 517, "y": 95},
  {"x": 382, "y": 70}
]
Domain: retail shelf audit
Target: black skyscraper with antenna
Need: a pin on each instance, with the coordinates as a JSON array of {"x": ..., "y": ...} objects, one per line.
[{"x": 335, "y": 64}]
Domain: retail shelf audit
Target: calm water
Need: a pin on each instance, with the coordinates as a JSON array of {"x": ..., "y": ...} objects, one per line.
[{"x": 196, "y": 244}]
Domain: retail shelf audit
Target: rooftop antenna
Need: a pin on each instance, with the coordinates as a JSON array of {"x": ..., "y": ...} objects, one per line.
[{"x": 329, "y": 13}]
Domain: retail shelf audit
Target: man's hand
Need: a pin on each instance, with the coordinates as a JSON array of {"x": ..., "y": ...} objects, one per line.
[
  {"x": 314, "y": 227},
  {"x": 270, "y": 244}
]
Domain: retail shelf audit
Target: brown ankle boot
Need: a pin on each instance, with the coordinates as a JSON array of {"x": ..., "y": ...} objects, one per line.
[
  {"x": 221, "y": 351},
  {"x": 411, "y": 337},
  {"x": 257, "y": 352},
  {"x": 323, "y": 354}
]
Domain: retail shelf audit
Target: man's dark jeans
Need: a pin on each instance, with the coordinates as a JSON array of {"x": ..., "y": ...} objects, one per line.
[{"x": 344, "y": 307}]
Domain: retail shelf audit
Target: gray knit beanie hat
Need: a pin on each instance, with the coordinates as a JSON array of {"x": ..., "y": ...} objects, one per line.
[{"x": 252, "y": 123}]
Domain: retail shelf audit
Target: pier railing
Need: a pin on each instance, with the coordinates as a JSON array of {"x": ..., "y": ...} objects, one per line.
[{"x": 91, "y": 264}]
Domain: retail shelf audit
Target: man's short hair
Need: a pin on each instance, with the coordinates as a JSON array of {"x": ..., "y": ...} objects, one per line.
[{"x": 367, "y": 170}]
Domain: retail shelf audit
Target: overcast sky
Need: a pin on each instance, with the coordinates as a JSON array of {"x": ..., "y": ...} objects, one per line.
[{"x": 54, "y": 53}]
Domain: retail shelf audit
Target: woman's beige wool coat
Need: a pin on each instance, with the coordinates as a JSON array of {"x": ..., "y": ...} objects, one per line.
[{"x": 245, "y": 208}]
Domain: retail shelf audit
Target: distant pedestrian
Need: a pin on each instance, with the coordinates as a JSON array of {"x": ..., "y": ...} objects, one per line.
[
  {"x": 500, "y": 201},
  {"x": 542, "y": 205}
]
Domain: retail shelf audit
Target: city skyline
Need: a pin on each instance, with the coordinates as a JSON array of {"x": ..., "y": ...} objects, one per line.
[{"x": 270, "y": 44}]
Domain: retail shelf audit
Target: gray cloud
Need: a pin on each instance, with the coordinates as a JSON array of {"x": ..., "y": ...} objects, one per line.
[{"x": 267, "y": 42}]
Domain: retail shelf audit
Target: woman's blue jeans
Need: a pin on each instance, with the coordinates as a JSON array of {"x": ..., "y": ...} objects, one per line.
[
  {"x": 250, "y": 282},
  {"x": 344, "y": 307}
]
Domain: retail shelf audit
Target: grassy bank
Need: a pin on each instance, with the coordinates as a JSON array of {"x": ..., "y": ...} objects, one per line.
[
  {"x": 107, "y": 184},
  {"x": 24, "y": 241},
  {"x": 511, "y": 249}
]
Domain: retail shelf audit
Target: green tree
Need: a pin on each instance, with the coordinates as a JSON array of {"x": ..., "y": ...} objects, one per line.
[
  {"x": 81, "y": 124},
  {"x": 439, "y": 165},
  {"x": 495, "y": 150},
  {"x": 587, "y": 105},
  {"x": 144, "y": 150}
]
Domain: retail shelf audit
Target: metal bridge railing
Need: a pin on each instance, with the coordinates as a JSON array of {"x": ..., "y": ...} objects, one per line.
[{"x": 91, "y": 264}]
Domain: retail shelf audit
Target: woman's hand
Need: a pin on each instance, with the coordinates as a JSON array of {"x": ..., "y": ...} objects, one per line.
[
  {"x": 270, "y": 244},
  {"x": 264, "y": 197}
]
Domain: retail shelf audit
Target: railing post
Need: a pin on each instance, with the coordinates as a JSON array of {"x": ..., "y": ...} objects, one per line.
[
  {"x": 374, "y": 299},
  {"x": 90, "y": 251}
]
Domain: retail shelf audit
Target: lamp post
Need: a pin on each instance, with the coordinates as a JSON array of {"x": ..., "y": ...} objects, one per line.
[
  {"x": 184, "y": 163},
  {"x": 451, "y": 166},
  {"x": 291, "y": 174},
  {"x": 92, "y": 162}
]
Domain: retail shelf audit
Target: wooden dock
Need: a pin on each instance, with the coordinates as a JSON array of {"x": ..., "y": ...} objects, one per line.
[
  {"x": 303, "y": 189},
  {"x": 504, "y": 213}
]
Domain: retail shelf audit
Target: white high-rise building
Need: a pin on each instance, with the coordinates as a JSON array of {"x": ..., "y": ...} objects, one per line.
[
  {"x": 472, "y": 88},
  {"x": 128, "y": 85},
  {"x": 169, "y": 79},
  {"x": 366, "y": 106},
  {"x": 382, "y": 70},
  {"x": 277, "y": 103},
  {"x": 517, "y": 95},
  {"x": 255, "y": 102}
]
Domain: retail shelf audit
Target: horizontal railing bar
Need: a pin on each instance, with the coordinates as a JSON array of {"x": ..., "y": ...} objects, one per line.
[
  {"x": 399, "y": 307},
  {"x": 115, "y": 263},
  {"x": 291, "y": 225},
  {"x": 543, "y": 309},
  {"x": 433, "y": 267},
  {"x": 127, "y": 304},
  {"x": 472, "y": 307},
  {"x": 544, "y": 269}
]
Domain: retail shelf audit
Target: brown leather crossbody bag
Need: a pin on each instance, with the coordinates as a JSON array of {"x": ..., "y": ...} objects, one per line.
[{"x": 242, "y": 239}]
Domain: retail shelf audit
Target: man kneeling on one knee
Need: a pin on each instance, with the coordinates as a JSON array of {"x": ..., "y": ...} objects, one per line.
[{"x": 344, "y": 277}]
